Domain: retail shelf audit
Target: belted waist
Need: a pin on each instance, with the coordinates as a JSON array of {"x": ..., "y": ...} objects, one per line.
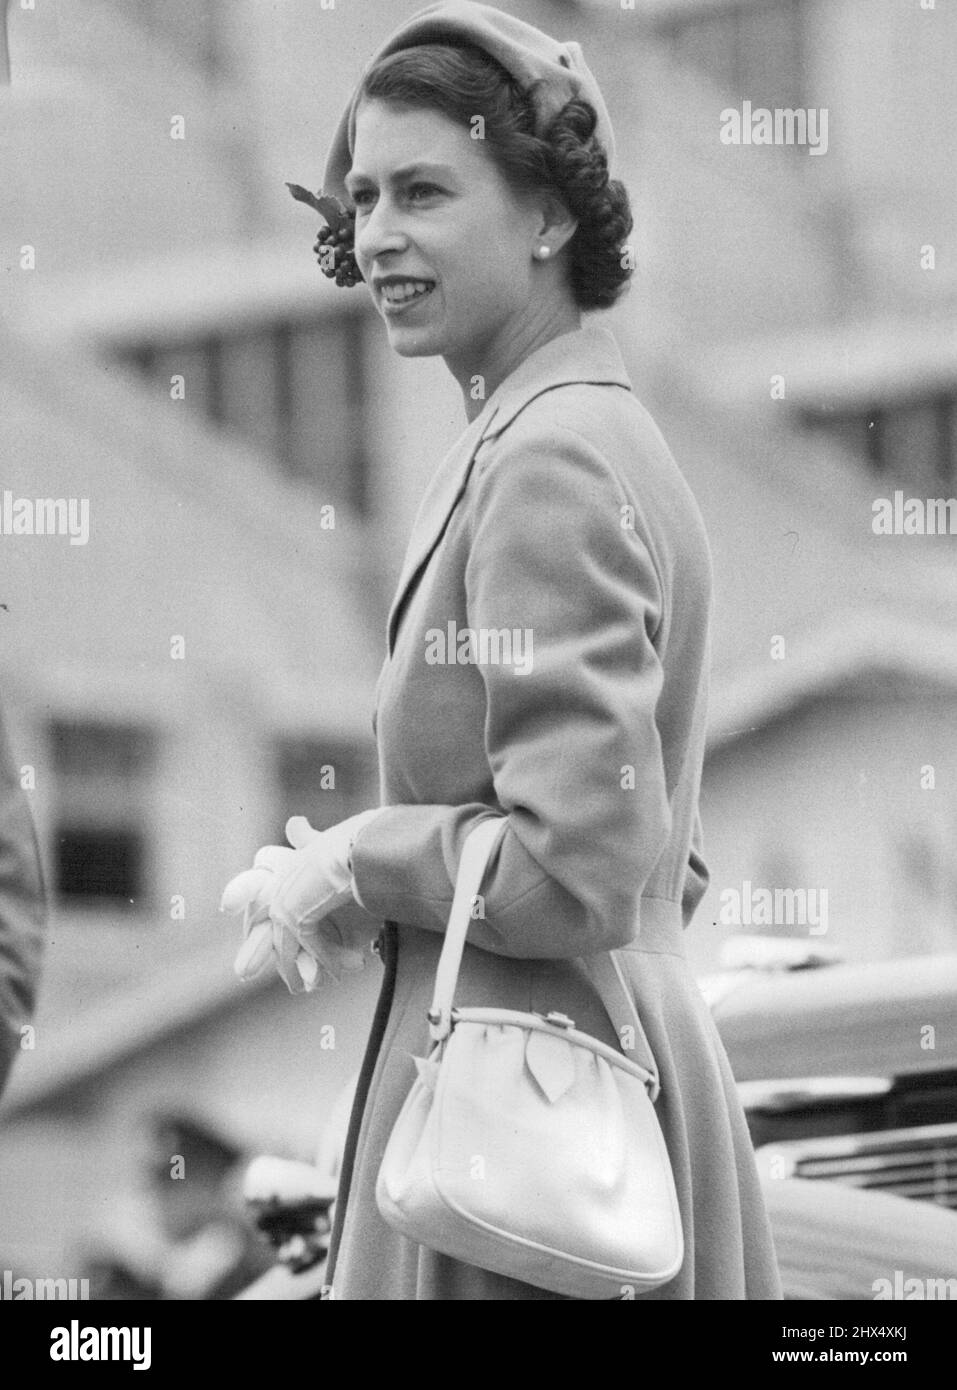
[
  {"x": 660, "y": 928},
  {"x": 660, "y": 932}
]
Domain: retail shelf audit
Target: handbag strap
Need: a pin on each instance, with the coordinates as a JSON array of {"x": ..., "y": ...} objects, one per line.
[{"x": 604, "y": 968}]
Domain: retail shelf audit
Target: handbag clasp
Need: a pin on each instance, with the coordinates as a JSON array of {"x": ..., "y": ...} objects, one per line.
[
  {"x": 559, "y": 1020},
  {"x": 440, "y": 1023}
]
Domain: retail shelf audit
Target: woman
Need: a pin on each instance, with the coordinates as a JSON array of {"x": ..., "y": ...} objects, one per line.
[{"x": 548, "y": 643}]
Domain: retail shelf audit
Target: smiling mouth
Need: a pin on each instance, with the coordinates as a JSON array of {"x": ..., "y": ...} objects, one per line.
[{"x": 401, "y": 293}]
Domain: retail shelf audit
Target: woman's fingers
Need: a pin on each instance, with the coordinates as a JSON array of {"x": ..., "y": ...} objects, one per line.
[
  {"x": 251, "y": 892},
  {"x": 322, "y": 941},
  {"x": 253, "y": 955},
  {"x": 243, "y": 890},
  {"x": 274, "y": 857},
  {"x": 299, "y": 832},
  {"x": 308, "y": 968},
  {"x": 251, "y": 885},
  {"x": 269, "y": 897},
  {"x": 256, "y": 912},
  {"x": 286, "y": 948},
  {"x": 320, "y": 957}
]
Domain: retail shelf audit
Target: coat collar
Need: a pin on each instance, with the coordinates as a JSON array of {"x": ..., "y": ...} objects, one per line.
[{"x": 587, "y": 354}]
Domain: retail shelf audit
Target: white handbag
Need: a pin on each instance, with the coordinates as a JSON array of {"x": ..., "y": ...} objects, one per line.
[{"x": 527, "y": 1147}]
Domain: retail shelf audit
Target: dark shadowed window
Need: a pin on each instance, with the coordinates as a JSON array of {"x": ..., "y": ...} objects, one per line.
[
  {"x": 99, "y": 863},
  {"x": 295, "y": 389},
  {"x": 100, "y": 825},
  {"x": 911, "y": 442}
]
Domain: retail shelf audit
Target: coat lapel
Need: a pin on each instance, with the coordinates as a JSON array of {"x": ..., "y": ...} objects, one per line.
[
  {"x": 583, "y": 355},
  {"x": 444, "y": 489}
]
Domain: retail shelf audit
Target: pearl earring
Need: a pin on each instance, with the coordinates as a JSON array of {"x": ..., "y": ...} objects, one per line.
[{"x": 543, "y": 252}]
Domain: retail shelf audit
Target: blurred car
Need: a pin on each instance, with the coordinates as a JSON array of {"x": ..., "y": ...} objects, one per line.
[{"x": 848, "y": 1076}]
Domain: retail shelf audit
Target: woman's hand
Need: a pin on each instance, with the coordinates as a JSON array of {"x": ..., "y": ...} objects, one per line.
[{"x": 285, "y": 898}]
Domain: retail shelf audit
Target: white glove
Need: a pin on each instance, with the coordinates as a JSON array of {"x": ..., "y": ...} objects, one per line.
[{"x": 286, "y": 895}]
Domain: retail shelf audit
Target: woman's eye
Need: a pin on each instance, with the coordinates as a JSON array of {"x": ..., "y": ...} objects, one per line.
[{"x": 364, "y": 198}]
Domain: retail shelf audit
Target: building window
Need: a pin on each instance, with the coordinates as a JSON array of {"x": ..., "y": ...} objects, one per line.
[
  {"x": 99, "y": 864},
  {"x": 754, "y": 50},
  {"x": 325, "y": 780},
  {"x": 101, "y": 828},
  {"x": 917, "y": 443},
  {"x": 912, "y": 441},
  {"x": 294, "y": 389}
]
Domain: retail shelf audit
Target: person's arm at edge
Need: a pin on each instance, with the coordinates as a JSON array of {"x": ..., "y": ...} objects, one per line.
[{"x": 22, "y": 911}]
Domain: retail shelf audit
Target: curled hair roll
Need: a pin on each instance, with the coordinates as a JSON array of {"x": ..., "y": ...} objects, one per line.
[{"x": 599, "y": 269}]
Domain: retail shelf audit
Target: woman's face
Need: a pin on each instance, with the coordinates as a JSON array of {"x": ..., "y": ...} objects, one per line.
[{"x": 444, "y": 244}]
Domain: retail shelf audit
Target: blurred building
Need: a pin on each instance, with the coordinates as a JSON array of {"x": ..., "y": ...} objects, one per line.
[{"x": 252, "y": 457}]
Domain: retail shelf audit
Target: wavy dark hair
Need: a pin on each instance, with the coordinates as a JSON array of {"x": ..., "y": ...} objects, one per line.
[{"x": 462, "y": 82}]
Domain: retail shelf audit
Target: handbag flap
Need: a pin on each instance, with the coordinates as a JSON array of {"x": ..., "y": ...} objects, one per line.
[{"x": 551, "y": 1061}]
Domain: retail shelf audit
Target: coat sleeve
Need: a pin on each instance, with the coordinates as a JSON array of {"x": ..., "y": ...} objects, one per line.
[
  {"x": 573, "y": 745},
  {"x": 22, "y": 911},
  {"x": 697, "y": 876}
]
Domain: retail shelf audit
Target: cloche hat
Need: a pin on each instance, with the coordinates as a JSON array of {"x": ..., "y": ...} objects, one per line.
[{"x": 550, "y": 72}]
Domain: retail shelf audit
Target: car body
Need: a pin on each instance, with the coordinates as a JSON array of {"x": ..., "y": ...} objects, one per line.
[{"x": 848, "y": 1076}]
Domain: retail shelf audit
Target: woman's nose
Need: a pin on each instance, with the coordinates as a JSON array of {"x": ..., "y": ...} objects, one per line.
[{"x": 379, "y": 233}]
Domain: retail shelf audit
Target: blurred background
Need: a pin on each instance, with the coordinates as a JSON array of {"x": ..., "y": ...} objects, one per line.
[{"x": 253, "y": 456}]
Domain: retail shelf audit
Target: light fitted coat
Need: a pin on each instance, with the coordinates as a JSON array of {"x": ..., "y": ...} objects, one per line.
[{"x": 558, "y": 518}]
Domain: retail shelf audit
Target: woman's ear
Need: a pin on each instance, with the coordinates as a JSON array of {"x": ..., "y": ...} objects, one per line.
[{"x": 557, "y": 225}]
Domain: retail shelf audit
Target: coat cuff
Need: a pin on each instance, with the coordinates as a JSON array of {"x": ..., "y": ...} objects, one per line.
[{"x": 404, "y": 862}]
